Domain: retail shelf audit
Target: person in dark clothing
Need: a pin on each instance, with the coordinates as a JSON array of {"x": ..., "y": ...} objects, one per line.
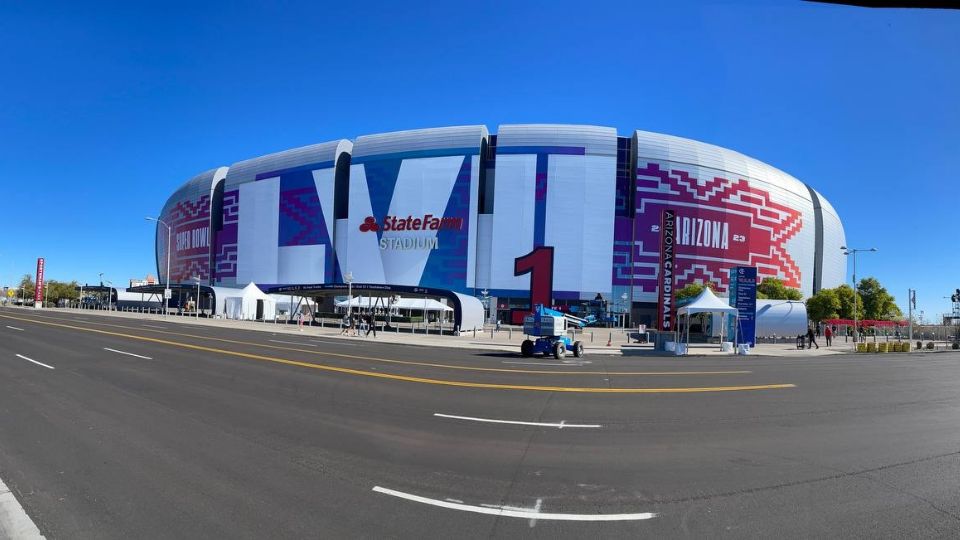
[
  {"x": 811, "y": 338},
  {"x": 371, "y": 325}
]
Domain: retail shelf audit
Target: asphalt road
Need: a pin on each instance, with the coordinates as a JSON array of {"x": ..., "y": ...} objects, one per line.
[{"x": 230, "y": 434}]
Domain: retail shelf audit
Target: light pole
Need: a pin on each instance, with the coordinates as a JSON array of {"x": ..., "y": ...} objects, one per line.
[
  {"x": 46, "y": 287},
  {"x": 348, "y": 277},
  {"x": 197, "y": 306},
  {"x": 109, "y": 295},
  {"x": 854, "y": 251},
  {"x": 623, "y": 308},
  {"x": 166, "y": 287}
]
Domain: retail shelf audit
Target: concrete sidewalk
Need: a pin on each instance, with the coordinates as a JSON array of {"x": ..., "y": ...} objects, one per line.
[{"x": 508, "y": 339}]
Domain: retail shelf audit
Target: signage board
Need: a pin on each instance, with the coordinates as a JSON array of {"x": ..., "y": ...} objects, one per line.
[
  {"x": 38, "y": 290},
  {"x": 743, "y": 296},
  {"x": 665, "y": 304}
]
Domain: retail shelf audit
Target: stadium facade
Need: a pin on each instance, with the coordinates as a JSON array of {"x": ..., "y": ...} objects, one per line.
[{"x": 461, "y": 210}]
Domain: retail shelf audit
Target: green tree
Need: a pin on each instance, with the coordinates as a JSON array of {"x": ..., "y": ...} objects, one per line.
[
  {"x": 823, "y": 305},
  {"x": 878, "y": 304},
  {"x": 60, "y": 290},
  {"x": 845, "y": 296},
  {"x": 691, "y": 290},
  {"x": 26, "y": 283},
  {"x": 774, "y": 289}
]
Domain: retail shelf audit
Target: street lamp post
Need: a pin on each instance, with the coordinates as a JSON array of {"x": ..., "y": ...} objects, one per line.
[
  {"x": 197, "y": 306},
  {"x": 166, "y": 287},
  {"x": 623, "y": 309},
  {"x": 46, "y": 287},
  {"x": 109, "y": 295},
  {"x": 854, "y": 251},
  {"x": 348, "y": 277},
  {"x": 101, "y": 290}
]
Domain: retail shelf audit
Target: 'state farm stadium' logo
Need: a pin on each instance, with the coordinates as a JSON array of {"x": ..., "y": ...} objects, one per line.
[{"x": 428, "y": 222}]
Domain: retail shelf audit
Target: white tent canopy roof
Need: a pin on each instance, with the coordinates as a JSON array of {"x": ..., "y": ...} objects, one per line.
[
  {"x": 416, "y": 304},
  {"x": 252, "y": 291},
  {"x": 706, "y": 302}
]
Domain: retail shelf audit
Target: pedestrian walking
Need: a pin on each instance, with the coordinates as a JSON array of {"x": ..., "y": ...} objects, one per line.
[
  {"x": 828, "y": 335},
  {"x": 355, "y": 325},
  {"x": 345, "y": 325},
  {"x": 811, "y": 339},
  {"x": 300, "y": 320},
  {"x": 371, "y": 325}
]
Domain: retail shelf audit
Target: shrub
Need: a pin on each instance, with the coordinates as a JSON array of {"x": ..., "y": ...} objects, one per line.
[
  {"x": 919, "y": 345},
  {"x": 930, "y": 345},
  {"x": 956, "y": 345}
]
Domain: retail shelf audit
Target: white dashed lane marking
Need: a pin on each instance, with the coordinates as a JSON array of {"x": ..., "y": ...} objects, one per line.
[
  {"x": 562, "y": 424},
  {"x": 127, "y": 353},
  {"x": 35, "y": 362},
  {"x": 514, "y": 511}
]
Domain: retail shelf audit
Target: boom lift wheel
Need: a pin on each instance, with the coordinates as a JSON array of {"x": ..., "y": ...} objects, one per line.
[
  {"x": 559, "y": 350},
  {"x": 526, "y": 348},
  {"x": 578, "y": 349}
]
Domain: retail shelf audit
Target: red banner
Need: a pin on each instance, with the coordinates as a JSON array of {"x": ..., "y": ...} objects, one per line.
[{"x": 38, "y": 290}]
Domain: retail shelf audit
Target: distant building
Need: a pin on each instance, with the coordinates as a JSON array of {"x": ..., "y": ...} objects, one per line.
[{"x": 149, "y": 280}]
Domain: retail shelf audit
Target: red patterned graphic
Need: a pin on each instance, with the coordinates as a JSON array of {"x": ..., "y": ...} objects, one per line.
[
  {"x": 189, "y": 220},
  {"x": 369, "y": 224},
  {"x": 721, "y": 223}
]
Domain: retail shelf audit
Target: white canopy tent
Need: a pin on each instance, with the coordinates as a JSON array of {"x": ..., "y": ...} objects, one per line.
[
  {"x": 245, "y": 306},
  {"x": 706, "y": 302}
]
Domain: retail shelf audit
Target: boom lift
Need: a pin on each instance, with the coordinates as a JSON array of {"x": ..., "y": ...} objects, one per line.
[{"x": 549, "y": 326}]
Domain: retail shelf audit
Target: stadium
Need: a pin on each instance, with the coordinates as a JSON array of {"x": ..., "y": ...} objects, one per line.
[{"x": 562, "y": 214}]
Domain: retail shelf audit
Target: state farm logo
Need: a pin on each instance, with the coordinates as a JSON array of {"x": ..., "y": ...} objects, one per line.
[
  {"x": 428, "y": 222},
  {"x": 369, "y": 224}
]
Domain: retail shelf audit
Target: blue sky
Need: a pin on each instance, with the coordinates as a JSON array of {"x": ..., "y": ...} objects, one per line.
[{"x": 105, "y": 109}]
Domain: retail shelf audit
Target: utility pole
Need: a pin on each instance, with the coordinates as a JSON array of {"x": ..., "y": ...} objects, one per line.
[{"x": 911, "y": 305}]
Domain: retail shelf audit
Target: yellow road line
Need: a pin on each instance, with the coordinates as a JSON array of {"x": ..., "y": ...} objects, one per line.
[
  {"x": 464, "y": 384},
  {"x": 410, "y": 362}
]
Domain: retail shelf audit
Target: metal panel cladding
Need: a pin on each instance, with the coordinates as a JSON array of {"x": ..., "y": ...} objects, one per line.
[
  {"x": 278, "y": 218},
  {"x": 188, "y": 212},
  {"x": 731, "y": 210},
  {"x": 412, "y": 216},
  {"x": 834, "y": 265},
  {"x": 554, "y": 186}
]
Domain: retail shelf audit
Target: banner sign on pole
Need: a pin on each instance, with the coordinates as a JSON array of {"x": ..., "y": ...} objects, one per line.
[
  {"x": 665, "y": 303},
  {"x": 38, "y": 289},
  {"x": 743, "y": 296}
]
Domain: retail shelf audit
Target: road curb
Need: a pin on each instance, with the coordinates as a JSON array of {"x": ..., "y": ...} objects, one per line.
[{"x": 14, "y": 521}]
